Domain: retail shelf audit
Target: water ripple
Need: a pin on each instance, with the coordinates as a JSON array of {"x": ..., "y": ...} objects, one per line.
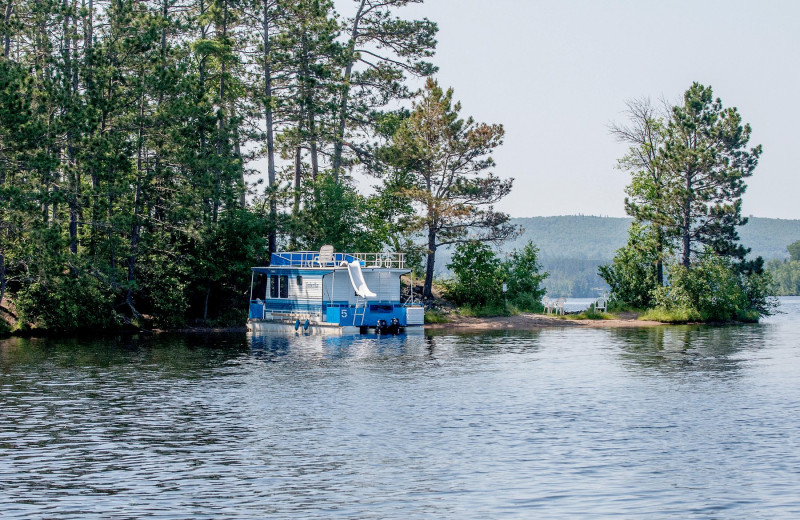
[{"x": 678, "y": 422}]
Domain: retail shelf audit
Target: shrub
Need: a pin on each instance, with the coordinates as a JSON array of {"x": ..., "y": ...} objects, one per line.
[
  {"x": 67, "y": 302},
  {"x": 432, "y": 316},
  {"x": 632, "y": 275},
  {"x": 674, "y": 315},
  {"x": 524, "y": 279},
  {"x": 714, "y": 290},
  {"x": 477, "y": 276},
  {"x": 486, "y": 311}
]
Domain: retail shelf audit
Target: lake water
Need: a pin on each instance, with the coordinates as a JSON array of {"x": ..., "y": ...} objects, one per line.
[{"x": 667, "y": 422}]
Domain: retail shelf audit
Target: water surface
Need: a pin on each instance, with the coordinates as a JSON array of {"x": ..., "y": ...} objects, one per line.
[{"x": 666, "y": 422}]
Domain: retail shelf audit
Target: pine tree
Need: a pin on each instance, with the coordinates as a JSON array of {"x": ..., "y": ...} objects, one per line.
[
  {"x": 708, "y": 161},
  {"x": 380, "y": 51},
  {"x": 448, "y": 160}
]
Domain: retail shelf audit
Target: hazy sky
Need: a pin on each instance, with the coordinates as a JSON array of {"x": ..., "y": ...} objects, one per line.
[{"x": 556, "y": 73}]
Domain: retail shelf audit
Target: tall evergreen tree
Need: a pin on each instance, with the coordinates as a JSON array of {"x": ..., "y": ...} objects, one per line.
[
  {"x": 708, "y": 161},
  {"x": 448, "y": 160},
  {"x": 381, "y": 49}
]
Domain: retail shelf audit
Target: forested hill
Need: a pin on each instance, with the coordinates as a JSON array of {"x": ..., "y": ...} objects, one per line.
[
  {"x": 578, "y": 236},
  {"x": 572, "y": 247}
]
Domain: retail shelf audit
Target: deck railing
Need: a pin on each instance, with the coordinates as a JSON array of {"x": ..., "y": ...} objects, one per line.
[
  {"x": 314, "y": 259},
  {"x": 389, "y": 260}
]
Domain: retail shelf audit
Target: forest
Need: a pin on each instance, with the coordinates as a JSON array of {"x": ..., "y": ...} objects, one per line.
[{"x": 152, "y": 151}]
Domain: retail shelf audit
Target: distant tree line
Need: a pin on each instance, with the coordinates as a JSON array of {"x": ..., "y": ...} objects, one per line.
[
  {"x": 688, "y": 164},
  {"x": 130, "y": 130},
  {"x": 786, "y": 273}
]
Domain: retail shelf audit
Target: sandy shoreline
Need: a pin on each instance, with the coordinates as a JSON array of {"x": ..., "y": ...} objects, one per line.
[{"x": 535, "y": 321}]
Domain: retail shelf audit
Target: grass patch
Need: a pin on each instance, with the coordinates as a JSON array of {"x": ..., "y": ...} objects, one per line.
[
  {"x": 615, "y": 306},
  {"x": 590, "y": 314},
  {"x": 679, "y": 315},
  {"x": 487, "y": 311},
  {"x": 433, "y": 317}
]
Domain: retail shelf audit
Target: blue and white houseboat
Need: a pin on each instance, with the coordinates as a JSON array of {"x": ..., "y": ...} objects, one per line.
[{"x": 336, "y": 293}]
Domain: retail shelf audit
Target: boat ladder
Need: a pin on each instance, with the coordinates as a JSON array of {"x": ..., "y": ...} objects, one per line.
[{"x": 360, "y": 310}]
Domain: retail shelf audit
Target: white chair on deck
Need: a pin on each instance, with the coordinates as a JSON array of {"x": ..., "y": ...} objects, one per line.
[
  {"x": 548, "y": 304},
  {"x": 325, "y": 256},
  {"x": 601, "y": 304},
  {"x": 558, "y": 306}
]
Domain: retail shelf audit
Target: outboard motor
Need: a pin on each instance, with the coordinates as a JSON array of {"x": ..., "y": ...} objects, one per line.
[
  {"x": 394, "y": 326},
  {"x": 381, "y": 327}
]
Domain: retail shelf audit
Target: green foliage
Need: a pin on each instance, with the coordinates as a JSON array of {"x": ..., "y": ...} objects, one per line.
[
  {"x": 433, "y": 317},
  {"x": 447, "y": 163},
  {"x": 794, "y": 251},
  {"x": 121, "y": 135},
  {"x": 590, "y": 314},
  {"x": 707, "y": 161},
  {"x": 477, "y": 276},
  {"x": 632, "y": 275},
  {"x": 715, "y": 290},
  {"x": 67, "y": 302},
  {"x": 524, "y": 277},
  {"x": 486, "y": 311},
  {"x": 671, "y": 315},
  {"x": 786, "y": 275}
]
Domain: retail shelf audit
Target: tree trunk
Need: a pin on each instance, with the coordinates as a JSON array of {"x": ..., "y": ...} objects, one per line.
[
  {"x": 7, "y": 18},
  {"x": 273, "y": 208},
  {"x": 687, "y": 224},
  {"x": 135, "y": 227},
  {"x": 338, "y": 144},
  {"x": 312, "y": 132},
  {"x": 660, "y": 256},
  {"x": 308, "y": 106},
  {"x": 298, "y": 171},
  {"x": 427, "y": 288},
  {"x": 2, "y": 277},
  {"x": 221, "y": 123},
  {"x": 205, "y": 304},
  {"x": 237, "y": 150}
]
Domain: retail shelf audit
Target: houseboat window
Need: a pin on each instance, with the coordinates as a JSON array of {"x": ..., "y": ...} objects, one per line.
[
  {"x": 278, "y": 286},
  {"x": 299, "y": 280}
]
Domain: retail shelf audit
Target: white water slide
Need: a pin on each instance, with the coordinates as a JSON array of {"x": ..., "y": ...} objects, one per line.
[{"x": 357, "y": 279}]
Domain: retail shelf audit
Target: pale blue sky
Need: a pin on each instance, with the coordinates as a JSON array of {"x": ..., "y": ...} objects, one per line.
[{"x": 556, "y": 73}]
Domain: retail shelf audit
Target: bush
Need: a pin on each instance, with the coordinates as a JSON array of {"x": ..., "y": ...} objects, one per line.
[
  {"x": 633, "y": 274},
  {"x": 486, "y": 311},
  {"x": 524, "y": 279},
  {"x": 713, "y": 290},
  {"x": 591, "y": 314},
  {"x": 477, "y": 276},
  {"x": 67, "y": 302},
  {"x": 432, "y": 316},
  {"x": 675, "y": 315}
]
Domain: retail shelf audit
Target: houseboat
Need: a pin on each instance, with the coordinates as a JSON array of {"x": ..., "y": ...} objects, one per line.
[{"x": 335, "y": 293}]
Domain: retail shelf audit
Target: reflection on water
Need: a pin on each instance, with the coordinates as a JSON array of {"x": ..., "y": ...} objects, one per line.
[
  {"x": 680, "y": 349},
  {"x": 671, "y": 422}
]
